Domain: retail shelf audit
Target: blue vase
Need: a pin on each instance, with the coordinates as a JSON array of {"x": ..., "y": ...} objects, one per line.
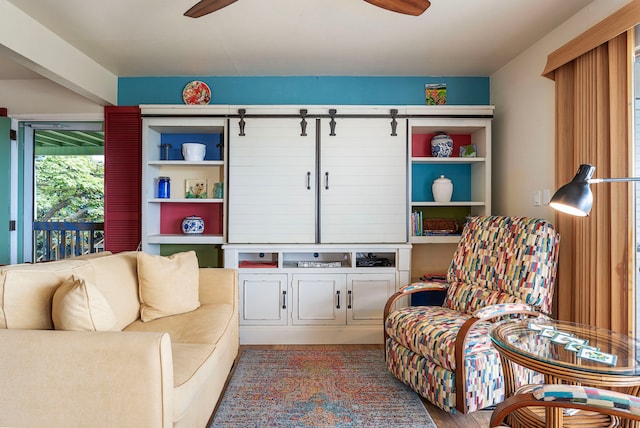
[
  {"x": 192, "y": 225},
  {"x": 441, "y": 146}
]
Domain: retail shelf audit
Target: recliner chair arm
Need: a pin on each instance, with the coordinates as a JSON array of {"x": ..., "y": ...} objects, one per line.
[
  {"x": 483, "y": 314},
  {"x": 407, "y": 290}
]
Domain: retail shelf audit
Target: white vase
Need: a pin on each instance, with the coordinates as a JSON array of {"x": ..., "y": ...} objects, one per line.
[{"x": 442, "y": 189}]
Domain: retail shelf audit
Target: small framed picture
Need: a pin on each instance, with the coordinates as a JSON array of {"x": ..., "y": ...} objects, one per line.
[
  {"x": 577, "y": 347},
  {"x": 539, "y": 327},
  {"x": 548, "y": 332},
  {"x": 598, "y": 356},
  {"x": 435, "y": 93},
  {"x": 562, "y": 338},
  {"x": 468, "y": 151},
  {"x": 196, "y": 188}
]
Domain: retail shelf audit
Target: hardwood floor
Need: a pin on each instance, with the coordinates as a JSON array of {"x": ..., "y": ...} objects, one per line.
[{"x": 442, "y": 419}]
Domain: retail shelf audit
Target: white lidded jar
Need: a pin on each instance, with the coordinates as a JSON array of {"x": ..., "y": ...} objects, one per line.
[{"x": 442, "y": 189}]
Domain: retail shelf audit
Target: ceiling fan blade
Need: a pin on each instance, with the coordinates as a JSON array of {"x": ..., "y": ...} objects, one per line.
[
  {"x": 407, "y": 7},
  {"x": 205, "y": 7}
]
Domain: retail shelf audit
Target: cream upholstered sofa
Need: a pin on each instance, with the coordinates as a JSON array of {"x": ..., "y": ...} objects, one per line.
[{"x": 76, "y": 353}]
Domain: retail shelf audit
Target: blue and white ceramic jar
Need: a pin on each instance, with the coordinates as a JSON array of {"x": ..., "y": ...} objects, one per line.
[
  {"x": 192, "y": 225},
  {"x": 441, "y": 146}
]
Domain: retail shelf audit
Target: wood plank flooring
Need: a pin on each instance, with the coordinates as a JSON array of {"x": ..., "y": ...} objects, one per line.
[{"x": 442, "y": 419}]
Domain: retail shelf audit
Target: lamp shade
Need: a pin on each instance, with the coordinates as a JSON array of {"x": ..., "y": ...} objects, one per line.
[{"x": 575, "y": 197}]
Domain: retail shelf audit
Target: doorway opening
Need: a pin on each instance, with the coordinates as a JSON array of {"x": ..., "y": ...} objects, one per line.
[{"x": 68, "y": 190}]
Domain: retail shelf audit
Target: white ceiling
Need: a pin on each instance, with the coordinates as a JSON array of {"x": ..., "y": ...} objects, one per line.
[{"x": 297, "y": 37}]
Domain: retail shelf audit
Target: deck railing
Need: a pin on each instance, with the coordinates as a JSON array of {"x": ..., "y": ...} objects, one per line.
[{"x": 55, "y": 240}]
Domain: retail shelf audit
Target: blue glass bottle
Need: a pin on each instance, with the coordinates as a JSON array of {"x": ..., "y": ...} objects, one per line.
[{"x": 164, "y": 187}]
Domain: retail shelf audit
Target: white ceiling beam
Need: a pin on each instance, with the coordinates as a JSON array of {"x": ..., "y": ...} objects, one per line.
[{"x": 29, "y": 43}]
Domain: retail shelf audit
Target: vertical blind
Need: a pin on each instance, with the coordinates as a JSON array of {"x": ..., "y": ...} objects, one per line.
[{"x": 593, "y": 77}]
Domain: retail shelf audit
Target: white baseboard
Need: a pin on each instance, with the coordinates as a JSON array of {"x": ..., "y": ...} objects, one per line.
[{"x": 311, "y": 335}]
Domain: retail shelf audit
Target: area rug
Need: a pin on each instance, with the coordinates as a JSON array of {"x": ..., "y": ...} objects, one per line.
[{"x": 310, "y": 388}]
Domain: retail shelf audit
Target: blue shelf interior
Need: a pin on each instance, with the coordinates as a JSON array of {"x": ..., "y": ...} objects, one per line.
[
  {"x": 423, "y": 175},
  {"x": 212, "y": 141}
]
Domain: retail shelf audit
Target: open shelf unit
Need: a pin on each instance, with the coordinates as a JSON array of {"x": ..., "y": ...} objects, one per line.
[
  {"x": 471, "y": 176},
  {"x": 162, "y": 225}
]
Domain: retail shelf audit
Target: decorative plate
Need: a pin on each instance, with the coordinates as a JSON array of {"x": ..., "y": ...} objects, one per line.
[{"x": 196, "y": 92}]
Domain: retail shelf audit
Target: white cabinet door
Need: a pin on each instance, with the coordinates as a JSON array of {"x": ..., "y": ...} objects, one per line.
[
  {"x": 272, "y": 182},
  {"x": 363, "y": 182},
  {"x": 319, "y": 299},
  {"x": 367, "y": 294},
  {"x": 263, "y": 299}
]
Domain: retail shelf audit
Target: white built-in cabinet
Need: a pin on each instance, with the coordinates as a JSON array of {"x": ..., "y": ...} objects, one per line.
[
  {"x": 315, "y": 294},
  {"x": 309, "y": 192},
  {"x": 339, "y": 299},
  {"x": 272, "y": 182},
  {"x": 341, "y": 183}
]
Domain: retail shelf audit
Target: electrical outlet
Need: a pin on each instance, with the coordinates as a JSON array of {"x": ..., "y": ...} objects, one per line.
[{"x": 536, "y": 198}]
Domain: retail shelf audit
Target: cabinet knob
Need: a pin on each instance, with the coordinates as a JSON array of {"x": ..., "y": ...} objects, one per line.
[
  {"x": 349, "y": 299},
  {"x": 338, "y": 296},
  {"x": 308, "y": 180},
  {"x": 284, "y": 299}
]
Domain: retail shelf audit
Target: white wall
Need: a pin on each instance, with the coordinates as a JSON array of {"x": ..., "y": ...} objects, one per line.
[
  {"x": 524, "y": 125},
  {"x": 42, "y": 97}
]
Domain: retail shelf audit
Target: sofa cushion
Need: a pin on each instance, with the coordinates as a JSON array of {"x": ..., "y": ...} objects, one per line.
[
  {"x": 205, "y": 325},
  {"x": 79, "y": 306},
  {"x": 193, "y": 367},
  {"x": 116, "y": 277},
  {"x": 26, "y": 292},
  {"x": 168, "y": 285}
]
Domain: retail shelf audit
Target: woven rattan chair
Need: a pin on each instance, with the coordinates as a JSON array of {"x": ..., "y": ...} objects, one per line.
[
  {"x": 502, "y": 265},
  {"x": 572, "y": 397}
]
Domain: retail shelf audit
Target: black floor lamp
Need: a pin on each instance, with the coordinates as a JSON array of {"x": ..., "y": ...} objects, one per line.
[{"x": 575, "y": 197}]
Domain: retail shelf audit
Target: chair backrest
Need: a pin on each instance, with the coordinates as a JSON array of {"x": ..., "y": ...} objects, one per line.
[{"x": 503, "y": 259}]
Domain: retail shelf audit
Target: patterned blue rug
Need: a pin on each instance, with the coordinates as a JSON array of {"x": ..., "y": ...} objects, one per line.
[{"x": 307, "y": 388}]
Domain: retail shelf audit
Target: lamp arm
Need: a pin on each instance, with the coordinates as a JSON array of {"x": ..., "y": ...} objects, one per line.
[{"x": 612, "y": 180}]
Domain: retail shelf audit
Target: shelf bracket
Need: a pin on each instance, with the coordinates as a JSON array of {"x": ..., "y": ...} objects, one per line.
[
  {"x": 303, "y": 123},
  {"x": 332, "y": 124},
  {"x": 394, "y": 122},
  {"x": 242, "y": 123}
]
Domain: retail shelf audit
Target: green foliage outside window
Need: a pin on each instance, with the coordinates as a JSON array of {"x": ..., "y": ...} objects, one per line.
[{"x": 69, "y": 188}]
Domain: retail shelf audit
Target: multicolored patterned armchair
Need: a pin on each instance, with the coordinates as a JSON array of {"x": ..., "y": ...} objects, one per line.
[{"x": 502, "y": 266}]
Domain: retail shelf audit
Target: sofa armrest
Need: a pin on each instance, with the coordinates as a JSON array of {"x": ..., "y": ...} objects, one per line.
[
  {"x": 81, "y": 379},
  {"x": 218, "y": 285}
]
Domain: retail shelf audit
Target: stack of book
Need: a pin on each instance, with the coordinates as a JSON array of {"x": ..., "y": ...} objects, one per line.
[{"x": 417, "y": 228}]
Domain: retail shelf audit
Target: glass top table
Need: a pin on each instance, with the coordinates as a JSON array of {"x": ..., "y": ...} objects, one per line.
[
  {"x": 561, "y": 344},
  {"x": 565, "y": 352}
]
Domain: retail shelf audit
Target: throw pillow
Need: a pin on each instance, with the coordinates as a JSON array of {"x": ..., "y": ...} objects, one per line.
[
  {"x": 168, "y": 285},
  {"x": 78, "y": 305}
]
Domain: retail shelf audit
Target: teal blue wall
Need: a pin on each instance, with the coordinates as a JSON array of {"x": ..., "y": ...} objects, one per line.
[
  {"x": 5, "y": 190},
  {"x": 310, "y": 90}
]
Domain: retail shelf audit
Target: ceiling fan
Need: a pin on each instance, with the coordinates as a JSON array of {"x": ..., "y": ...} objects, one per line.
[{"x": 407, "y": 7}]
